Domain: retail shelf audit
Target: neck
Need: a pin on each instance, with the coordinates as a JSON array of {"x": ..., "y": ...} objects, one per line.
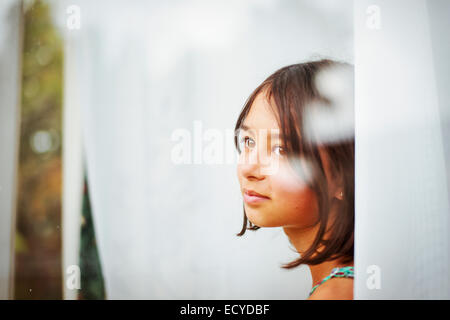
[{"x": 302, "y": 239}]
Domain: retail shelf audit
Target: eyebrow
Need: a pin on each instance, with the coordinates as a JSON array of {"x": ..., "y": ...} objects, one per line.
[
  {"x": 244, "y": 127},
  {"x": 274, "y": 135}
]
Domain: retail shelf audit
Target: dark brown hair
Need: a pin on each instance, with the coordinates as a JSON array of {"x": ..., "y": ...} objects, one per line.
[{"x": 292, "y": 89}]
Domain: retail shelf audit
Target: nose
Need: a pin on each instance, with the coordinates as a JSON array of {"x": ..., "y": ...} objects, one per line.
[
  {"x": 252, "y": 164},
  {"x": 251, "y": 172}
]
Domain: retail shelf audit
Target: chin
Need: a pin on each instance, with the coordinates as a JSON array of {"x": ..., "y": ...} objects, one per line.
[{"x": 260, "y": 218}]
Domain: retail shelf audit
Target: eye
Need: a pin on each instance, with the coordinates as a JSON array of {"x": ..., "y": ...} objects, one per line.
[
  {"x": 246, "y": 142},
  {"x": 249, "y": 142},
  {"x": 278, "y": 150}
]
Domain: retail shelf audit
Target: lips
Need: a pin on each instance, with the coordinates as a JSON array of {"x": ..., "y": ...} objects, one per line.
[
  {"x": 254, "y": 193},
  {"x": 253, "y": 197}
]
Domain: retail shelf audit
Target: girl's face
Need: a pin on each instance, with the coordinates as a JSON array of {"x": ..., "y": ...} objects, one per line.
[{"x": 275, "y": 195}]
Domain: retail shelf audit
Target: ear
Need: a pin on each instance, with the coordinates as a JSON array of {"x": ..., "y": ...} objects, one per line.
[
  {"x": 338, "y": 187},
  {"x": 335, "y": 180},
  {"x": 339, "y": 194}
]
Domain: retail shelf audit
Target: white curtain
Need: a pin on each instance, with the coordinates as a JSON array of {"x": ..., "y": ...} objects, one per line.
[
  {"x": 402, "y": 81},
  {"x": 148, "y": 68},
  {"x": 10, "y": 44}
]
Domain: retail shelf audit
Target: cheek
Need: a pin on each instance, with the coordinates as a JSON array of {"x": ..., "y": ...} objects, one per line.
[
  {"x": 286, "y": 181},
  {"x": 293, "y": 199}
]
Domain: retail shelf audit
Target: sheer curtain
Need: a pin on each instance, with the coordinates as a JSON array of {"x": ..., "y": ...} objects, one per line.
[
  {"x": 402, "y": 155},
  {"x": 148, "y": 68}
]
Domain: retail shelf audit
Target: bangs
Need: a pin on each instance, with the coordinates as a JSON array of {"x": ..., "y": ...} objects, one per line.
[{"x": 288, "y": 115}]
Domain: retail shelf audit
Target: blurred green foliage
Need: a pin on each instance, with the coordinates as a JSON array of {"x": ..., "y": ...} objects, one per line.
[
  {"x": 92, "y": 285},
  {"x": 38, "y": 272}
]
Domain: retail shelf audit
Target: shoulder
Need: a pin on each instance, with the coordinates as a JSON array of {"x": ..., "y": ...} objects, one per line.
[{"x": 334, "y": 289}]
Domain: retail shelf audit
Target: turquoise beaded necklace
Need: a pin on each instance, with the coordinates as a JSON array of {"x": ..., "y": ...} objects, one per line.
[{"x": 344, "y": 272}]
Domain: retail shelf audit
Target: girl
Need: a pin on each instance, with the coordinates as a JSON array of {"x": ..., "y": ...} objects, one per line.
[{"x": 296, "y": 171}]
